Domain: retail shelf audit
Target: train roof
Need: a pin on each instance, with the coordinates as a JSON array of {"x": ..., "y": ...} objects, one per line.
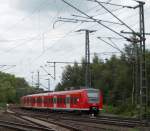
[{"x": 60, "y": 92}]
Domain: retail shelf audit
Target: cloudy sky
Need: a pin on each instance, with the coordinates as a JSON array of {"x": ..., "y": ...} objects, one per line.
[{"x": 28, "y": 39}]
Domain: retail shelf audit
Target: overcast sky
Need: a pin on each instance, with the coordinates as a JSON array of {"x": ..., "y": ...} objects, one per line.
[{"x": 28, "y": 40}]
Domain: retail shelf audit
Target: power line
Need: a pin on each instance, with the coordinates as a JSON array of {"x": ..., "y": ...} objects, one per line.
[
  {"x": 40, "y": 85},
  {"x": 73, "y": 20},
  {"x": 47, "y": 72},
  {"x": 107, "y": 12},
  {"x": 65, "y": 35},
  {"x": 112, "y": 38},
  {"x": 113, "y": 43},
  {"x": 92, "y": 21},
  {"x": 95, "y": 20},
  {"x": 10, "y": 66},
  {"x": 110, "y": 45},
  {"x": 100, "y": 3},
  {"x": 108, "y": 3}
]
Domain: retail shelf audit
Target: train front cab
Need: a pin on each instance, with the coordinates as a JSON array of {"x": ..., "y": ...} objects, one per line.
[{"x": 94, "y": 100}]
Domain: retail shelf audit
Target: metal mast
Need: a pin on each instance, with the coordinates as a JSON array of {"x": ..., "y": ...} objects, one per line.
[
  {"x": 141, "y": 90},
  {"x": 87, "y": 58},
  {"x": 38, "y": 79},
  {"x": 143, "y": 86}
]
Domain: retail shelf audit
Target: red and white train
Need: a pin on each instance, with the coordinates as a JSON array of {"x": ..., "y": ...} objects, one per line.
[{"x": 88, "y": 100}]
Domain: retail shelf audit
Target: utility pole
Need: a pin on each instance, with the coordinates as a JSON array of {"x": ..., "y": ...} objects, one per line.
[
  {"x": 38, "y": 79},
  {"x": 48, "y": 84},
  {"x": 135, "y": 70},
  {"x": 32, "y": 78},
  {"x": 142, "y": 89},
  {"x": 60, "y": 62},
  {"x": 87, "y": 57},
  {"x": 143, "y": 83},
  {"x": 54, "y": 70}
]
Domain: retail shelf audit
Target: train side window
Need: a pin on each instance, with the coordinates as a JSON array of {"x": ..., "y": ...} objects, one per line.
[
  {"x": 51, "y": 100},
  {"x": 27, "y": 99},
  {"x": 48, "y": 100},
  {"x": 32, "y": 100},
  {"x": 35, "y": 100},
  {"x": 64, "y": 101},
  {"x": 71, "y": 100},
  {"x": 54, "y": 100},
  {"x": 45, "y": 100},
  {"x": 58, "y": 100},
  {"x": 39, "y": 100},
  {"x": 75, "y": 100},
  {"x": 67, "y": 100}
]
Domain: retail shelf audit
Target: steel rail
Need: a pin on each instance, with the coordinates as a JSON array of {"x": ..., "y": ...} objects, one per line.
[
  {"x": 117, "y": 121},
  {"x": 22, "y": 127}
]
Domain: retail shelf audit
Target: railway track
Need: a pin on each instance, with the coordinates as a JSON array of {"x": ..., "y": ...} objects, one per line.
[
  {"x": 22, "y": 127},
  {"x": 126, "y": 122},
  {"x": 84, "y": 123},
  {"x": 36, "y": 119}
]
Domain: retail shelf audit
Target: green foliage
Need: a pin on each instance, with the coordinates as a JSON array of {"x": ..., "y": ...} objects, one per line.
[
  {"x": 113, "y": 77},
  {"x": 12, "y": 88}
]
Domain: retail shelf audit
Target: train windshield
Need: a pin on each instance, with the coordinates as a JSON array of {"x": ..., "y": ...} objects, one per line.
[{"x": 93, "y": 96}]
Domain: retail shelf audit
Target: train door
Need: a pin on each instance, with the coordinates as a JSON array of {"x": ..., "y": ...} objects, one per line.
[
  {"x": 68, "y": 101},
  {"x": 55, "y": 101},
  {"x": 35, "y": 101},
  {"x": 42, "y": 104},
  {"x": 29, "y": 101}
]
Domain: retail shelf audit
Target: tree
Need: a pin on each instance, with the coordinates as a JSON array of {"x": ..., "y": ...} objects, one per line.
[{"x": 114, "y": 76}]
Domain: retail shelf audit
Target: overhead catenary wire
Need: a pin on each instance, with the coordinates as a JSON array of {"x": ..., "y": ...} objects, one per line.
[
  {"x": 65, "y": 35},
  {"x": 40, "y": 84},
  {"x": 94, "y": 20},
  {"x": 108, "y": 12},
  {"x": 104, "y": 53},
  {"x": 25, "y": 41},
  {"x": 110, "y": 37},
  {"x": 12, "y": 66},
  {"x": 111, "y": 45},
  {"x": 73, "y": 20},
  {"x": 108, "y": 3},
  {"x": 47, "y": 72},
  {"x": 113, "y": 14},
  {"x": 113, "y": 42}
]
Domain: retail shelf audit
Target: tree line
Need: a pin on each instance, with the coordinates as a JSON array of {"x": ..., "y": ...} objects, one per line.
[
  {"x": 12, "y": 88},
  {"x": 114, "y": 76}
]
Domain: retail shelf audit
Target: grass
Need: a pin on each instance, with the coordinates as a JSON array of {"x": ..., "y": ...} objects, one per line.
[
  {"x": 123, "y": 110},
  {"x": 2, "y": 106}
]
